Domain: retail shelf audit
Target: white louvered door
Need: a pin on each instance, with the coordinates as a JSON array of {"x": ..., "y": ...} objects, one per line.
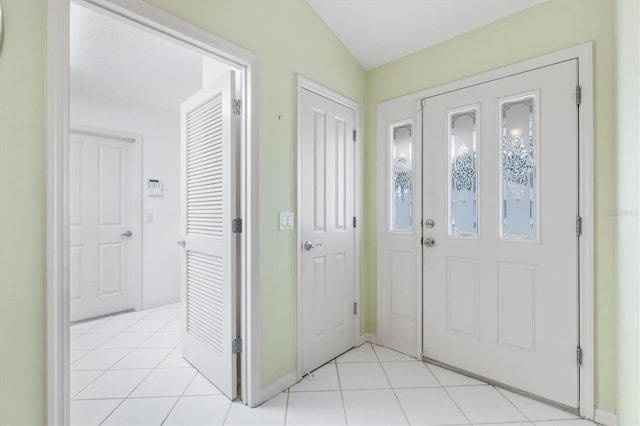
[{"x": 209, "y": 138}]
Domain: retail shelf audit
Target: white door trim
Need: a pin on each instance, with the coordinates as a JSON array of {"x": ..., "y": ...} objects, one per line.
[
  {"x": 303, "y": 83},
  {"x": 584, "y": 54},
  {"x": 149, "y": 18},
  {"x": 138, "y": 142}
]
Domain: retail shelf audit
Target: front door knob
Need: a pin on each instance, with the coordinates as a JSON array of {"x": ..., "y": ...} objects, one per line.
[{"x": 429, "y": 242}]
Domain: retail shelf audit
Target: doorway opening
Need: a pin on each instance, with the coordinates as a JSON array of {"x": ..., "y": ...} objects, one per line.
[{"x": 151, "y": 241}]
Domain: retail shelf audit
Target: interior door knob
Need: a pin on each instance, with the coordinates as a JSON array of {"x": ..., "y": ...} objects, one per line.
[
  {"x": 308, "y": 245},
  {"x": 429, "y": 242},
  {"x": 127, "y": 234}
]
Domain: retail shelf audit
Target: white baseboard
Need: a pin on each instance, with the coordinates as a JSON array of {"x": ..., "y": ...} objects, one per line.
[
  {"x": 606, "y": 418},
  {"x": 278, "y": 387},
  {"x": 371, "y": 338}
]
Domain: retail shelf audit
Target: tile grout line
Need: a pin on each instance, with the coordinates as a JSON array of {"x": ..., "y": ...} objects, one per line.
[
  {"x": 448, "y": 394},
  {"x": 513, "y": 404},
  {"x": 390, "y": 385},
  {"x": 286, "y": 407},
  {"x": 344, "y": 406},
  {"x": 180, "y": 397}
]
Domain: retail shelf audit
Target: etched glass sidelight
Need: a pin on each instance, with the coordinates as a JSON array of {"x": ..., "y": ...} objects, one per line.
[
  {"x": 518, "y": 189},
  {"x": 463, "y": 171},
  {"x": 401, "y": 136}
]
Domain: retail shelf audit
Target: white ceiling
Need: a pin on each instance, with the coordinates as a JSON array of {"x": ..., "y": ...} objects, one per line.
[
  {"x": 119, "y": 61},
  {"x": 380, "y": 31}
]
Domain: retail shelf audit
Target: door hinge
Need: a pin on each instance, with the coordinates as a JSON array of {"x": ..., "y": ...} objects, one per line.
[
  {"x": 579, "y": 355},
  {"x": 355, "y": 308},
  {"x": 236, "y": 106},
  {"x": 236, "y": 345},
  {"x": 355, "y": 134},
  {"x": 354, "y": 221},
  {"x": 578, "y": 95},
  {"x": 578, "y": 226},
  {"x": 236, "y": 226}
]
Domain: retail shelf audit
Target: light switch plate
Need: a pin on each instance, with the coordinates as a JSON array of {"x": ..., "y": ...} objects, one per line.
[{"x": 286, "y": 221}]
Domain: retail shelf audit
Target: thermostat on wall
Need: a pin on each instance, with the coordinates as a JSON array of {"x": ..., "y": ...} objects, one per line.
[{"x": 154, "y": 187}]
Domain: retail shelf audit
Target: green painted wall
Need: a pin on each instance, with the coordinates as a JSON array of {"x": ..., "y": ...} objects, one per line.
[
  {"x": 626, "y": 214},
  {"x": 22, "y": 213},
  {"x": 549, "y": 27}
]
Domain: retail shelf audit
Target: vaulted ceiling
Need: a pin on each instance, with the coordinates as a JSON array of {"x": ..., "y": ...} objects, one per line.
[{"x": 380, "y": 31}]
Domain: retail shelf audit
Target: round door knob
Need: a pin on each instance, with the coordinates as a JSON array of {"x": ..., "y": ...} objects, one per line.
[{"x": 429, "y": 242}]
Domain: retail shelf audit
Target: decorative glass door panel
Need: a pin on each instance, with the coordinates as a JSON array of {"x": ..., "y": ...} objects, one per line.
[
  {"x": 401, "y": 206},
  {"x": 518, "y": 152},
  {"x": 463, "y": 168}
]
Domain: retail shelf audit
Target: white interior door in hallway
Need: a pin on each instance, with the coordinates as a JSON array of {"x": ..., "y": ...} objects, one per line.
[
  {"x": 500, "y": 253},
  {"x": 328, "y": 235},
  {"x": 102, "y": 219},
  {"x": 210, "y": 137}
]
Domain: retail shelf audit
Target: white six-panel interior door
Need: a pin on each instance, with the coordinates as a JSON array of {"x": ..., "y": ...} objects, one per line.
[
  {"x": 209, "y": 262},
  {"x": 480, "y": 206},
  {"x": 102, "y": 224},
  {"x": 328, "y": 235}
]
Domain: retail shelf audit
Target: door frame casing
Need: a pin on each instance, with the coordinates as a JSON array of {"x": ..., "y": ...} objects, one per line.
[
  {"x": 304, "y": 83},
  {"x": 163, "y": 24},
  {"x": 138, "y": 142},
  {"x": 586, "y": 275}
]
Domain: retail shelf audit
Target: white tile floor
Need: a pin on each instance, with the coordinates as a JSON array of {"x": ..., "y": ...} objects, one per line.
[{"x": 127, "y": 370}]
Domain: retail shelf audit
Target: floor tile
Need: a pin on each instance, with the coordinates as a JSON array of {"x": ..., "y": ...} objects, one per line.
[
  {"x": 173, "y": 325},
  {"x": 199, "y": 410},
  {"x": 174, "y": 360},
  {"x": 90, "y": 340},
  {"x": 76, "y": 354},
  {"x": 168, "y": 382},
  {"x": 322, "y": 379},
  {"x": 83, "y": 327},
  {"x": 270, "y": 413},
  {"x": 125, "y": 341},
  {"x": 164, "y": 314},
  {"x": 142, "y": 358},
  {"x": 78, "y": 380},
  {"x": 163, "y": 339},
  {"x": 386, "y": 354},
  {"x": 147, "y": 325},
  {"x": 114, "y": 325},
  {"x": 137, "y": 315},
  {"x": 484, "y": 404},
  {"x": 200, "y": 386},
  {"x": 363, "y": 353},
  {"x": 362, "y": 376},
  {"x": 315, "y": 408},
  {"x": 576, "y": 422},
  {"x": 141, "y": 411},
  {"x": 113, "y": 384},
  {"x": 174, "y": 306},
  {"x": 373, "y": 407},
  {"x": 99, "y": 359},
  {"x": 430, "y": 406},
  {"x": 91, "y": 412},
  {"x": 404, "y": 374},
  {"x": 535, "y": 410},
  {"x": 449, "y": 378}
]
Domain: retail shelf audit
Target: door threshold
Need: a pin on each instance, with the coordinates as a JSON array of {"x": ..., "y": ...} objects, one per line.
[
  {"x": 568, "y": 409},
  {"x": 101, "y": 317}
]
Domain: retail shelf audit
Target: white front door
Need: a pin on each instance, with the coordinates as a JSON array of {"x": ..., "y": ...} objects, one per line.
[
  {"x": 209, "y": 261},
  {"x": 102, "y": 255},
  {"x": 501, "y": 247},
  {"x": 328, "y": 280}
]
